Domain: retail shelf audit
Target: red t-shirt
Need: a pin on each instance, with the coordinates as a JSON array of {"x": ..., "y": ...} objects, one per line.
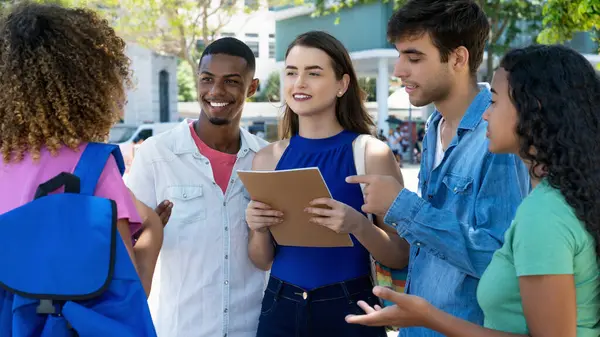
[{"x": 221, "y": 163}]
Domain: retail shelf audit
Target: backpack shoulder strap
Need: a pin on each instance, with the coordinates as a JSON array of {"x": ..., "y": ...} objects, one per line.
[{"x": 92, "y": 163}]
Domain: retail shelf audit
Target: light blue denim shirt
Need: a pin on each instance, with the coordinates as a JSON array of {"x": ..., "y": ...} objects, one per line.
[{"x": 467, "y": 204}]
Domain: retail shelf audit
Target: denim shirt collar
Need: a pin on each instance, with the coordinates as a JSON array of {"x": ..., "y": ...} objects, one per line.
[{"x": 474, "y": 113}]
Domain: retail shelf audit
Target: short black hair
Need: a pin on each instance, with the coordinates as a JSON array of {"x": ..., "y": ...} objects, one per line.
[
  {"x": 449, "y": 23},
  {"x": 233, "y": 47}
]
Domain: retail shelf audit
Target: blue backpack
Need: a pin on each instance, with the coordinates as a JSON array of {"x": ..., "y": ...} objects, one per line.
[{"x": 64, "y": 270}]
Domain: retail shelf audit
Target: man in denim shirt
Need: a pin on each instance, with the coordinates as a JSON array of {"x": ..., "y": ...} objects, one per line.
[{"x": 468, "y": 196}]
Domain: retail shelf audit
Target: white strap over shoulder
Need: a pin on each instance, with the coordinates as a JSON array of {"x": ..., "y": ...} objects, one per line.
[{"x": 359, "y": 149}]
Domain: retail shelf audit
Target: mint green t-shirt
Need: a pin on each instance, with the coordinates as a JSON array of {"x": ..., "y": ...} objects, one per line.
[{"x": 545, "y": 238}]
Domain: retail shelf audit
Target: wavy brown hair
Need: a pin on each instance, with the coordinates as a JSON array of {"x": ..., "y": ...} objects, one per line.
[
  {"x": 63, "y": 76},
  {"x": 350, "y": 109}
]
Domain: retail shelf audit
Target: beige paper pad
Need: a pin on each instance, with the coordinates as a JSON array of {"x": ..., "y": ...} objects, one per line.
[{"x": 291, "y": 191}]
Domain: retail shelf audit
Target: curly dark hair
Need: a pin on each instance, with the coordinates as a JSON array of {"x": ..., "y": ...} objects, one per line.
[
  {"x": 63, "y": 79},
  {"x": 556, "y": 92}
]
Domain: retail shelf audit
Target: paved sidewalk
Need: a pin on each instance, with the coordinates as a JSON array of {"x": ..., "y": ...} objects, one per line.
[{"x": 410, "y": 173}]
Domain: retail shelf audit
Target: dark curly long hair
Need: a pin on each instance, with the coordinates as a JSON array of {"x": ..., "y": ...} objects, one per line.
[
  {"x": 556, "y": 92},
  {"x": 63, "y": 76}
]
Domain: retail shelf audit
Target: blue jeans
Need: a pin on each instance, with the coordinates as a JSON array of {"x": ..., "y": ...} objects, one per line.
[{"x": 290, "y": 311}]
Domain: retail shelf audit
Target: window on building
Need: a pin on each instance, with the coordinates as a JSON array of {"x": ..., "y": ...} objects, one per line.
[
  {"x": 271, "y": 46},
  {"x": 251, "y": 3},
  {"x": 254, "y": 47},
  {"x": 227, "y": 34},
  {"x": 253, "y": 42},
  {"x": 271, "y": 49}
]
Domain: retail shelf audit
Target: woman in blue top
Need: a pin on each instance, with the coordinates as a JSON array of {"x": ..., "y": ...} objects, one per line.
[{"x": 312, "y": 289}]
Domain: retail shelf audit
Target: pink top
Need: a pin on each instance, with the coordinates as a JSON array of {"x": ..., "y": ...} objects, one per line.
[
  {"x": 19, "y": 181},
  {"x": 221, "y": 163}
]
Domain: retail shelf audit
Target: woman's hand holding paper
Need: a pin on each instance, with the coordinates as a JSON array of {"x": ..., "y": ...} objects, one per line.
[
  {"x": 261, "y": 216},
  {"x": 339, "y": 217}
]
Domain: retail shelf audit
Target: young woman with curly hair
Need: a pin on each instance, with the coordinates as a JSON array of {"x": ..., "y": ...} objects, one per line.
[
  {"x": 63, "y": 74},
  {"x": 544, "y": 280}
]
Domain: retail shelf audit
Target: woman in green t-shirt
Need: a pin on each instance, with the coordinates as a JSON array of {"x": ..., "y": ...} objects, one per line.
[{"x": 544, "y": 281}]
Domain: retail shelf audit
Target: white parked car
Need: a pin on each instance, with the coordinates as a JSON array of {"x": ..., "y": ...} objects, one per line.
[{"x": 128, "y": 137}]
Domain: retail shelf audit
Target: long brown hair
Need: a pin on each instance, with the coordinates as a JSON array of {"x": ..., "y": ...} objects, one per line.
[{"x": 350, "y": 109}]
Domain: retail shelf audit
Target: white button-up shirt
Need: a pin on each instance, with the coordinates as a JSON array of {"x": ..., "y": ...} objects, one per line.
[{"x": 204, "y": 284}]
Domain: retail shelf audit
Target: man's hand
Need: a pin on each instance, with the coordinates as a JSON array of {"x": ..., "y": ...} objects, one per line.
[
  {"x": 164, "y": 211},
  {"x": 380, "y": 192}
]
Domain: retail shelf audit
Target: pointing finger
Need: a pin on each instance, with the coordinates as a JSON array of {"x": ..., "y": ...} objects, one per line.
[
  {"x": 366, "y": 307},
  {"x": 390, "y": 295},
  {"x": 360, "y": 179}
]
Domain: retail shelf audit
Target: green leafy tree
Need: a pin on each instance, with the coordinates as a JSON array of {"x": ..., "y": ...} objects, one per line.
[
  {"x": 270, "y": 90},
  {"x": 508, "y": 20},
  {"x": 175, "y": 27},
  {"x": 563, "y": 18},
  {"x": 185, "y": 82},
  {"x": 369, "y": 85},
  {"x": 67, "y": 3},
  {"x": 178, "y": 27}
]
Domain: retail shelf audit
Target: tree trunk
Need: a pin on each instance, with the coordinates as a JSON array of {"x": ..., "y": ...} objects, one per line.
[
  {"x": 496, "y": 32},
  {"x": 489, "y": 66},
  {"x": 490, "y": 53},
  {"x": 205, "y": 40}
]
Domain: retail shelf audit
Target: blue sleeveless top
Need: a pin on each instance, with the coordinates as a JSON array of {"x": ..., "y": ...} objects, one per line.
[{"x": 310, "y": 267}]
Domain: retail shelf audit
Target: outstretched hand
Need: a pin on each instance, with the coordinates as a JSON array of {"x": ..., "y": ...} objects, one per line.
[{"x": 407, "y": 311}]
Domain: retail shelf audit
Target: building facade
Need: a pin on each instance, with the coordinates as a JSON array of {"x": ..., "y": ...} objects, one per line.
[
  {"x": 153, "y": 99},
  {"x": 362, "y": 29},
  {"x": 254, "y": 24}
]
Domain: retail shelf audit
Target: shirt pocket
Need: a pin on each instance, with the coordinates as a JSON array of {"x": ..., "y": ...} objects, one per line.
[
  {"x": 189, "y": 204},
  {"x": 457, "y": 184}
]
